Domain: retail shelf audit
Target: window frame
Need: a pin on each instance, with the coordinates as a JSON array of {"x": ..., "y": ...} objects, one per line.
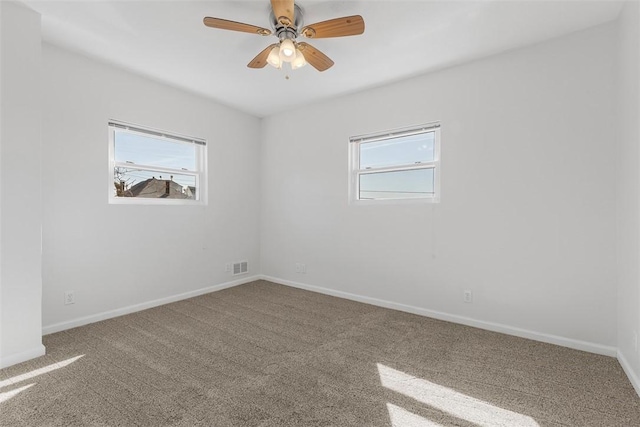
[
  {"x": 355, "y": 172},
  {"x": 200, "y": 172}
]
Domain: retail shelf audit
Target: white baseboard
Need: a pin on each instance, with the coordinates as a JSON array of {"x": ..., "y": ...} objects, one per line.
[
  {"x": 490, "y": 326},
  {"x": 626, "y": 367},
  {"x": 81, "y": 321},
  {"x": 23, "y": 356}
]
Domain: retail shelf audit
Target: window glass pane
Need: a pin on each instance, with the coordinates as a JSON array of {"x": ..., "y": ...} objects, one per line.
[
  {"x": 408, "y": 184},
  {"x": 150, "y": 151},
  {"x": 404, "y": 150},
  {"x": 131, "y": 182}
]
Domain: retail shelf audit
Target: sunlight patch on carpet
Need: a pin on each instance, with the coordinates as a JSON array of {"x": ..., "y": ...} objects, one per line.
[
  {"x": 402, "y": 418},
  {"x": 447, "y": 400},
  {"x": 9, "y": 394},
  {"x": 4, "y": 396},
  {"x": 37, "y": 372}
]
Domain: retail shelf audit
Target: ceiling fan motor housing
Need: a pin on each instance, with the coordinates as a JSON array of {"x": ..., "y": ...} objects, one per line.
[{"x": 287, "y": 31}]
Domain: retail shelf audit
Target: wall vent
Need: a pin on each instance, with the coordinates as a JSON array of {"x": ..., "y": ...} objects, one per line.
[{"x": 241, "y": 267}]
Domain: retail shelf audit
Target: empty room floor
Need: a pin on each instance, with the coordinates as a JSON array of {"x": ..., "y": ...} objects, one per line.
[{"x": 263, "y": 354}]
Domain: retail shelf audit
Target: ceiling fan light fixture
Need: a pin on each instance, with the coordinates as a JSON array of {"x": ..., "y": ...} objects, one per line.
[
  {"x": 287, "y": 50},
  {"x": 299, "y": 62},
  {"x": 274, "y": 57}
]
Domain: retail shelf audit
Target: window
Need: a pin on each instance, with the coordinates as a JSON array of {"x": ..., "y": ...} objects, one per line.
[
  {"x": 397, "y": 165},
  {"x": 149, "y": 166}
]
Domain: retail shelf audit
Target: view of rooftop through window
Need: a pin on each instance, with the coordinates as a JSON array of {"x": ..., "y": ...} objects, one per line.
[{"x": 154, "y": 166}]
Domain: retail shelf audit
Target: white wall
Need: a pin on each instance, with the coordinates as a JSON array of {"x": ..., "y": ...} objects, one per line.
[
  {"x": 527, "y": 217},
  {"x": 115, "y": 256},
  {"x": 628, "y": 189},
  {"x": 20, "y": 185}
]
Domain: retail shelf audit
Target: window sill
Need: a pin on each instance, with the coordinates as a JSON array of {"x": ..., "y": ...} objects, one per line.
[
  {"x": 421, "y": 201},
  {"x": 149, "y": 201}
]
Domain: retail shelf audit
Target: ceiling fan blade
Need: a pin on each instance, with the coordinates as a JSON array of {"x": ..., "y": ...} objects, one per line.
[
  {"x": 338, "y": 27},
  {"x": 224, "y": 24},
  {"x": 283, "y": 10},
  {"x": 313, "y": 56},
  {"x": 261, "y": 59}
]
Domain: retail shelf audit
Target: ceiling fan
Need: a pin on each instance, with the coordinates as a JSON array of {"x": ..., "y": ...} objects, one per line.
[{"x": 287, "y": 25}]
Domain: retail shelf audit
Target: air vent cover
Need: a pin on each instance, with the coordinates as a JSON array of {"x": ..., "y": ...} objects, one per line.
[{"x": 241, "y": 267}]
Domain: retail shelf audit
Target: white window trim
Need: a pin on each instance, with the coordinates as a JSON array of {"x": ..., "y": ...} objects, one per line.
[
  {"x": 355, "y": 172},
  {"x": 200, "y": 174}
]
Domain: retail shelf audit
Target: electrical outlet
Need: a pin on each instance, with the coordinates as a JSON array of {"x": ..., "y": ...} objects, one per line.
[
  {"x": 69, "y": 298},
  {"x": 468, "y": 296},
  {"x": 635, "y": 341},
  {"x": 303, "y": 268},
  {"x": 227, "y": 267}
]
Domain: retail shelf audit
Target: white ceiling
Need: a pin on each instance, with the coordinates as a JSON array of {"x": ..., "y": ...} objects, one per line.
[{"x": 167, "y": 41}]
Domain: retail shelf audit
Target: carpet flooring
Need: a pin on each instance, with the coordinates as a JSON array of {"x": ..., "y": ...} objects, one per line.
[{"x": 263, "y": 354}]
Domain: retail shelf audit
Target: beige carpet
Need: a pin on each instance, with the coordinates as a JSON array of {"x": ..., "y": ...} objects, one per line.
[{"x": 267, "y": 355}]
